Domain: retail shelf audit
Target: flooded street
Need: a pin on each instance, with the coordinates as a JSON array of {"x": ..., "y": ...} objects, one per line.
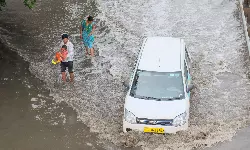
[
  {"x": 29, "y": 117},
  {"x": 88, "y": 114}
]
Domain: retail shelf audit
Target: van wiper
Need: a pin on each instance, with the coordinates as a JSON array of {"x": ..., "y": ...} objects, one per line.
[
  {"x": 172, "y": 98},
  {"x": 157, "y": 99},
  {"x": 148, "y": 98}
]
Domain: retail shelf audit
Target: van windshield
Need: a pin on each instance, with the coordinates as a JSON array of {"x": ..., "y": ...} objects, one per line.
[{"x": 158, "y": 85}]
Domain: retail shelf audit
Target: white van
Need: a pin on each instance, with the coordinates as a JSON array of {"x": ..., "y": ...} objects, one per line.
[{"x": 159, "y": 91}]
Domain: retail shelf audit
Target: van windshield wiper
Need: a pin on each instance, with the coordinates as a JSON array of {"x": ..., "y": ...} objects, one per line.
[
  {"x": 172, "y": 98},
  {"x": 148, "y": 98},
  {"x": 157, "y": 99}
]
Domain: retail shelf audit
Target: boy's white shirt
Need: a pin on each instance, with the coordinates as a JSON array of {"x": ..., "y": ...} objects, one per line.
[{"x": 70, "y": 48}]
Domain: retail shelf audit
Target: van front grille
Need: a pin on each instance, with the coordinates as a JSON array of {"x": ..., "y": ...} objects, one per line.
[{"x": 163, "y": 122}]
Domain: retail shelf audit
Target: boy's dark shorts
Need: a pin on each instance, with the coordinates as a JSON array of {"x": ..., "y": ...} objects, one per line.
[{"x": 68, "y": 64}]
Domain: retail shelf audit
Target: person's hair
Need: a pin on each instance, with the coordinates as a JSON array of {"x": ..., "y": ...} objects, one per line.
[
  {"x": 65, "y": 36},
  {"x": 64, "y": 46},
  {"x": 90, "y": 18}
]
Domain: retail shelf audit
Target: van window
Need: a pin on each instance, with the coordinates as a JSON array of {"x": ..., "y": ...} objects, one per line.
[
  {"x": 187, "y": 58},
  {"x": 185, "y": 71},
  {"x": 158, "y": 85}
]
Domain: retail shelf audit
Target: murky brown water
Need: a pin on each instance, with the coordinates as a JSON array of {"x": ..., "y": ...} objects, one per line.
[{"x": 22, "y": 126}]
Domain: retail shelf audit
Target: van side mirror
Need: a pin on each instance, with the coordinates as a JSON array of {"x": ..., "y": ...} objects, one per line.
[
  {"x": 190, "y": 87},
  {"x": 124, "y": 83}
]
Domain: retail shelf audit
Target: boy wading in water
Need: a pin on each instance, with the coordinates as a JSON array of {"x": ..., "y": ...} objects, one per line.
[
  {"x": 87, "y": 29},
  {"x": 68, "y": 61}
]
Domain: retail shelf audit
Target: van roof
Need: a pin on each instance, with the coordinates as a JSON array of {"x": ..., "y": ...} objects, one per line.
[{"x": 161, "y": 54}]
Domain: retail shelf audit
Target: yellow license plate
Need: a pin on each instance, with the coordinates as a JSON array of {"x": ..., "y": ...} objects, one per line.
[{"x": 153, "y": 130}]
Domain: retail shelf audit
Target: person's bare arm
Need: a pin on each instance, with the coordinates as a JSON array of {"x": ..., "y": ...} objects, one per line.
[{"x": 81, "y": 31}]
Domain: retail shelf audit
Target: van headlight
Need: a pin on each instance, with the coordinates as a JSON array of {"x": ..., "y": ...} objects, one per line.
[
  {"x": 180, "y": 119},
  {"x": 129, "y": 117}
]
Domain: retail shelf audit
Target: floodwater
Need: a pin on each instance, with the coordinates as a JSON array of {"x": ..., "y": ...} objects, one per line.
[
  {"x": 29, "y": 118},
  {"x": 211, "y": 28}
]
